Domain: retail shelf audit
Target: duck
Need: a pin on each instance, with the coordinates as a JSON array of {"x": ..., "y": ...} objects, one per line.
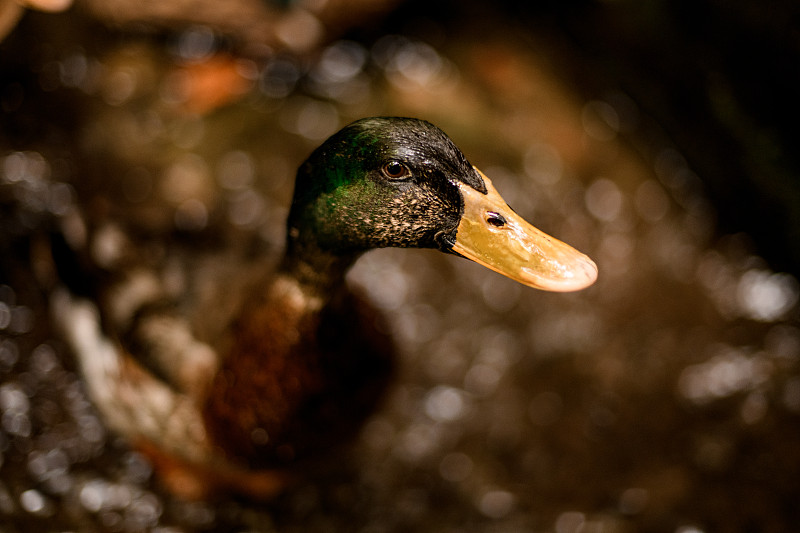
[{"x": 237, "y": 382}]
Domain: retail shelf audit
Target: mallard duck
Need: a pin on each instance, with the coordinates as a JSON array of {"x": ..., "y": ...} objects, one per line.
[{"x": 293, "y": 362}]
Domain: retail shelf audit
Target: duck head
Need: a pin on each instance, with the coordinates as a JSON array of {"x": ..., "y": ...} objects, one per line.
[{"x": 401, "y": 182}]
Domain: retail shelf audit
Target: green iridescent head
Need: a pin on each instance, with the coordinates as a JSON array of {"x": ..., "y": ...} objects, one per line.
[
  {"x": 402, "y": 182},
  {"x": 381, "y": 182}
]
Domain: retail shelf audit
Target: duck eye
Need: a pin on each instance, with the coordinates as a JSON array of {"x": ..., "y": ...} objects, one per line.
[
  {"x": 395, "y": 170},
  {"x": 495, "y": 219}
]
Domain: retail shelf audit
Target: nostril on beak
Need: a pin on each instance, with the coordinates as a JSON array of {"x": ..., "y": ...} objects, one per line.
[{"x": 495, "y": 219}]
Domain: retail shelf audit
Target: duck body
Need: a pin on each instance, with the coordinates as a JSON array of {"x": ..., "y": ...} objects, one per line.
[
  {"x": 244, "y": 370},
  {"x": 224, "y": 397},
  {"x": 317, "y": 367}
]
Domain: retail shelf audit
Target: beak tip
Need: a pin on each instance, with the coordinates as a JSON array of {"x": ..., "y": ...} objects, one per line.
[
  {"x": 590, "y": 272},
  {"x": 585, "y": 275},
  {"x": 581, "y": 274}
]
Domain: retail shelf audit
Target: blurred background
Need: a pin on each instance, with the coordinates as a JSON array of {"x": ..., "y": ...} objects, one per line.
[{"x": 656, "y": 136}]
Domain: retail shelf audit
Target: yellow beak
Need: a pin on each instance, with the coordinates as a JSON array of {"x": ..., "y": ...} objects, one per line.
[{"x": 492, "y": 235}]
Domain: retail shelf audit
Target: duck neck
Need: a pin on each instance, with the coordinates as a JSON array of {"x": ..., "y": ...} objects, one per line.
[{"x": 317, "y": 271}]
